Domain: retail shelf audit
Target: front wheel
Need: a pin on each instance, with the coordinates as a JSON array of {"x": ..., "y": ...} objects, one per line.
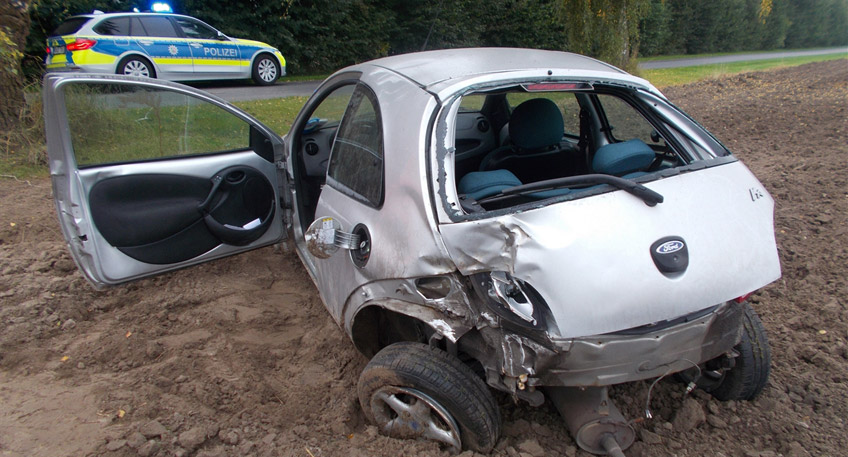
[
  {"x": 136, "y": 66},
  {"x": 410, "y": 390},
  {"x": 749, "y": 373},
  {"x": 265, "y": 70}
]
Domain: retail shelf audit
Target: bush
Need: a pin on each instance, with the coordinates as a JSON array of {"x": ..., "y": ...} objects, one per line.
[{"x": 25, "y": 145}]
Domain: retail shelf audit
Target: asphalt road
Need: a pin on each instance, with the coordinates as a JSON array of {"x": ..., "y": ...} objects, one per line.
[
  {"x": 691, "y": 62},
  {"x": 237, "y": 90}
]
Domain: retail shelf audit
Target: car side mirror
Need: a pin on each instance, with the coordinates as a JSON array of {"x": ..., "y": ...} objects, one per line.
[
  {"x": 324, "y": 237},
  {"x": 222, "y": 37}
]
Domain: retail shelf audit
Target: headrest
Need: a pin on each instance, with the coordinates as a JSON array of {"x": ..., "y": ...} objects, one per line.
[
  {"x": 535, "y": 124},
  {"x": 623, "y": 158}
]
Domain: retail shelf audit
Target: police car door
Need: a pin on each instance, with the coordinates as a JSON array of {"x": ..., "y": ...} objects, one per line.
[
  {"x": 157, "y": 37},
  {"x": 150, "y": 176},
  {"x": 212, "y": 52}
]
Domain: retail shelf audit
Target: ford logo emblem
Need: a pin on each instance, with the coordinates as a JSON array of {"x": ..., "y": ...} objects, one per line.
[{"x": 670, "y": 246}]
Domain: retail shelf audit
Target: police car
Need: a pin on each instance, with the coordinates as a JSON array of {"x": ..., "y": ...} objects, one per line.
[{"x": 156, "y": 45}]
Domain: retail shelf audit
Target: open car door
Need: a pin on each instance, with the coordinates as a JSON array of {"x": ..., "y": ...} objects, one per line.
[{"x": 150, "y": 176}]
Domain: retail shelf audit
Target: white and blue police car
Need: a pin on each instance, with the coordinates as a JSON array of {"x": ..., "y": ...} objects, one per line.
[{"x": 157, "y": 45}]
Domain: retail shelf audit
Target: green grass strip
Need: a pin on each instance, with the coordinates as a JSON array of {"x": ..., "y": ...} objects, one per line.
[{"x": 665, "y": 77}]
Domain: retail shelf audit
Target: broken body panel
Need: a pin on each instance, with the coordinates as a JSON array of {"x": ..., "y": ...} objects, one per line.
[{"x": 566, "y": 290}]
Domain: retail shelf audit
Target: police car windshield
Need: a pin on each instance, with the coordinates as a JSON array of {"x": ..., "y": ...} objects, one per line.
[{"x": 70, "y": 26}]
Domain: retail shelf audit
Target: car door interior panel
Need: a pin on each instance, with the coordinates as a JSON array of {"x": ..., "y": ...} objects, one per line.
[{"x": 165, "y": 219}]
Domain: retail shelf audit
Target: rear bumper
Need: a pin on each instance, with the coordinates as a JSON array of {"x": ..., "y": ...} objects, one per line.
[{"x": 644, "y": 353}]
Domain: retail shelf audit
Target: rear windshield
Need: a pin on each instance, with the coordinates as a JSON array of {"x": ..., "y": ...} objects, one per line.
[
  {"x": 523, "y": 144},
  {"x": 71, "y": 26}
]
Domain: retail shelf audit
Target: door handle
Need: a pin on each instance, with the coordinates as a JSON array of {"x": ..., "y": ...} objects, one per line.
[
  {"x": 216, "y": 183},
  {"x": 196, "y": 45}
]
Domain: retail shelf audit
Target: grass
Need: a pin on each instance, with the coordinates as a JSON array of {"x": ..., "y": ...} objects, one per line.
[
  {"x": 127, "y": 132},
  {"x": 276, "y": 113},
  {"x": 295, "y": 78},
  {"x": 22, "y": 152},
  {"x": 676, "y": 76}
]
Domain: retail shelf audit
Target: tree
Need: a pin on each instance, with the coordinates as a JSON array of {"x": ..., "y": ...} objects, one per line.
[
  {"x": 605, "y": 29},
  {"x": 523, "y": 24},
  {"x": 655, "y": 29},
  {"x": 14, "y": 28}
]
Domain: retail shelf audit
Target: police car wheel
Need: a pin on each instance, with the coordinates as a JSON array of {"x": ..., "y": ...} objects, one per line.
[
  {"x": 136, "y": 66},
  {"x": 265, "y": 70}
]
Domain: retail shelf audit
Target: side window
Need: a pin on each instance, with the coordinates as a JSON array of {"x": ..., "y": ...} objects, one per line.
[
  {"x": 136, "y": 29},
  {"x": 114, "y": 123},
  {"x": 473, "y": 102},
  {"x": 158, "y": 27},
  {"x": 70, "y": 26},
  {"x": 356, "y": 161},
  {"x": 566, "y": 101},
  {"x": 193, "y": 29},
  {"x": 119, "y": 26},
  {"x": 625, "y": 122},
  {"x": 332, "y": 108}
]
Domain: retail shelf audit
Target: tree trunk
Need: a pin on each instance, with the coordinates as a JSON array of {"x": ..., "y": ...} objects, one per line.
[{"x": 14, "y": 28}]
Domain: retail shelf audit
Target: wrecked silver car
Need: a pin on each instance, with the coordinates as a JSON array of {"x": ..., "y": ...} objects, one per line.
[{"x": 533, "y": 222}]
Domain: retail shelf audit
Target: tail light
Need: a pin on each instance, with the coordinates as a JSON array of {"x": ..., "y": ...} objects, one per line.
[
  {"x": 48, "y": 49},
  {"x": 80, "y": 44},
  {"x": 743, "y": 297}
]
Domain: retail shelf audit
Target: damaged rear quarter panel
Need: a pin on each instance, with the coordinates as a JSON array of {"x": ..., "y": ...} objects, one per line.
[{"x": 589, "y": 258}]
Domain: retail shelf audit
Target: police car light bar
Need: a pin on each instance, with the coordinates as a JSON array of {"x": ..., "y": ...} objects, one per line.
[{"x": 161, "y": 7}]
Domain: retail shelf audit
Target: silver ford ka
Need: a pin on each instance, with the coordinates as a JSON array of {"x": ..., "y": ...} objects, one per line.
[{"x": 531, "y": 222}]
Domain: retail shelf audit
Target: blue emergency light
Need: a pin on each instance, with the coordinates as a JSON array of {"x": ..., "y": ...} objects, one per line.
[{"x": 161, "y": 7}]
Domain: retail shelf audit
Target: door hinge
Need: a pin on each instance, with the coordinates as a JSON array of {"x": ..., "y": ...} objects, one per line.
[{"x": 281, "y": 164}]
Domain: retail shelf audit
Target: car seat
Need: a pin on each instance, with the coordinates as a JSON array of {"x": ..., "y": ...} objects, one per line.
[
  {"x": 627, "y": 159},
  {"x": 535, "y": 150},
  {"x": 482, "y": 184}
]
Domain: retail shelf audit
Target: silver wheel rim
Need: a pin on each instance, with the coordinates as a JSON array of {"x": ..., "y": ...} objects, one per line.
[
  {"x": 136, "y": 68},
  {"x": 408, "y": 413},
  {"x": 267, "y": 70}
]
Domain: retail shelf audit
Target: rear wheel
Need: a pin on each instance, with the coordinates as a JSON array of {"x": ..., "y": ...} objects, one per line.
[
  {"x": 266, "y": 71},
  {"x": 746, "y": 375},
  {"x": 410, "y": 390},
  {"x": 136, "y": 66}
]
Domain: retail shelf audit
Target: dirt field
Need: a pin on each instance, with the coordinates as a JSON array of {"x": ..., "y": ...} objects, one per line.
[{"x": 239, "y": 358}]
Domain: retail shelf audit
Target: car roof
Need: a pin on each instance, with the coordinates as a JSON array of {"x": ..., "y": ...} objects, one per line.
[
  {"x": 127, "y": 13},
  {"x": 434, "y": 70}
]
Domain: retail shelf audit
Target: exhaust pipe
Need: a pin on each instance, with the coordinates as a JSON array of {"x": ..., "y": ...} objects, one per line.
[{"x": 593, "y": 420}]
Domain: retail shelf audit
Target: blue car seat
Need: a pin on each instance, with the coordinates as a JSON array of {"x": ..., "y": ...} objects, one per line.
[
  {"x": 627, "y": 159},
  {"x": 482, "y": 184},
  {"x": 536, "y": 150}
]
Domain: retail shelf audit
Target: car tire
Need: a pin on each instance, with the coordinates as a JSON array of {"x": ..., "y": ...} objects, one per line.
[
  {"x": 266, "y": 70},
  {"x": 136, "y": 66},
  {"x": 411, "y": 390},
  {"x": 750, "y": 372}
]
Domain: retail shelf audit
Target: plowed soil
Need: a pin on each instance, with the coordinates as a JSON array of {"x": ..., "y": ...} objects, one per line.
[{"x": 238, "y": 357}]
